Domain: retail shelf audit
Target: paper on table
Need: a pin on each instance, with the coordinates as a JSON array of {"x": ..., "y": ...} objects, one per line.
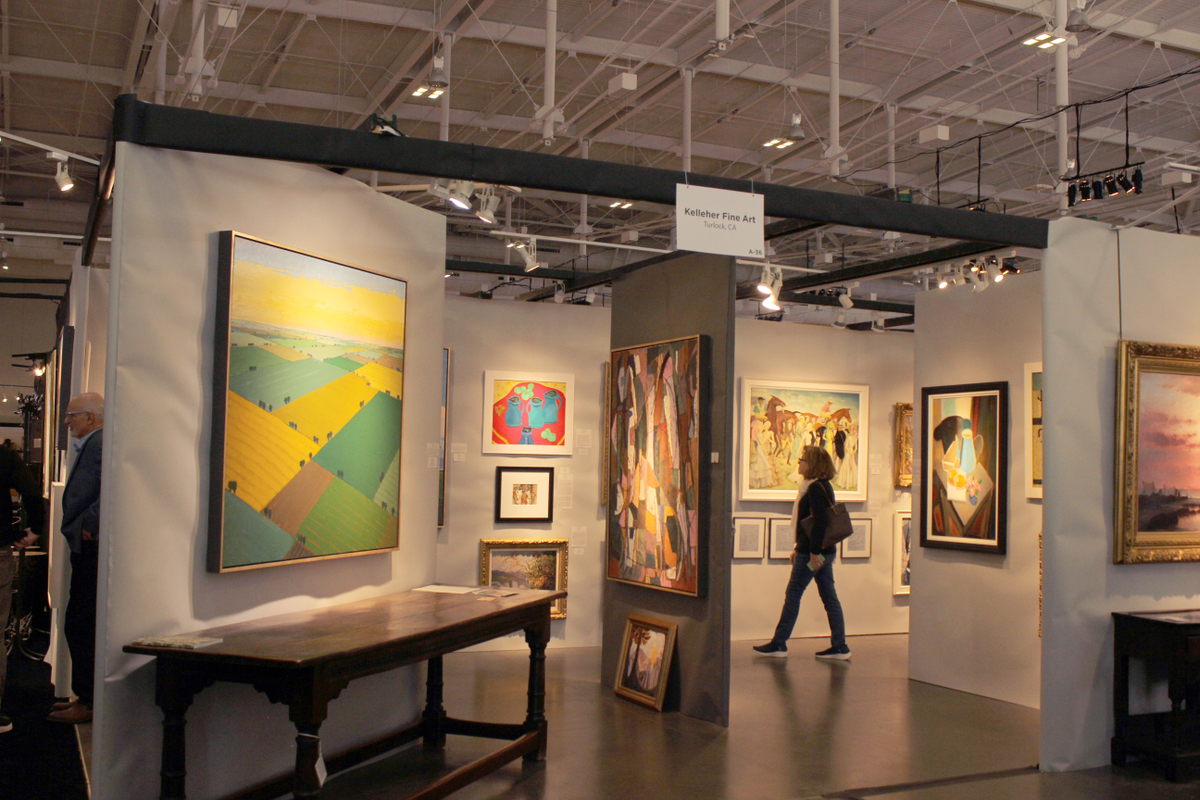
[{"x": 438, "y": 588}]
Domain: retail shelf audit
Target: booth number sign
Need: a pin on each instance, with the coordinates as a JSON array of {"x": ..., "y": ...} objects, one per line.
[{"x": 719, "y": 221}]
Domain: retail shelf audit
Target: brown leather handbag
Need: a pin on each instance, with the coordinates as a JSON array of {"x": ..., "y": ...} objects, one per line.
[{"x": 840, "y": 527}]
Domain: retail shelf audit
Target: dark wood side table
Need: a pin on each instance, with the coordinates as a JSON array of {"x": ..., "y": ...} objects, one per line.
[
  {"x": 305, "y": 659},
  {"x": 1170, "y": 737}
]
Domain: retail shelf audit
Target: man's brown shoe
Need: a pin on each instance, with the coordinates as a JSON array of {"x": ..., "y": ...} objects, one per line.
[
  {"x": 74, "y": 715},
  {"x": 64, "y": 705}
]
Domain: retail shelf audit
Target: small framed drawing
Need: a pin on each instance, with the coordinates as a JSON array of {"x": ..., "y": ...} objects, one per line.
[
  {"x": 858, "y": 544},
  {"x": 902, "y": 449},
  {"x": 1032, "y": 424},
  {"x": 749, "y": 537},
  {"x": 964, "y": 467},
  {"x": 901, "y": 547},
  {"x": 526, "y": 564},
  {"x": 783, "y": 538},
  {"x": 1158, "y": 401},
  {"x": 645, "y": 662},
  {"x": 528, "y": 413},
  {"x": 524, "y": 494}
]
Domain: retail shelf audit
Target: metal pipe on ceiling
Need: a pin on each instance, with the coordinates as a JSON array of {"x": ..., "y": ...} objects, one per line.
[
  {"x": 551, "y": 56},
  {"x": 721, "y": 28},
  {"x": 1062, "y": 97},
  {"x": 834, "y": 153},
  {"x": 688, "y": 74},
  {"x": 444, "y": 127}
]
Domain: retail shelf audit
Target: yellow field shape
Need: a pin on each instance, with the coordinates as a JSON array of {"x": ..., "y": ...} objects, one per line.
[
  {"x": 326, "y": 410},
  {"x": 382, "y": 378},
  {"x": 261, "y": 452},
  {"x": 284, "y": 352},
  {"x": 354, "y": 349}
]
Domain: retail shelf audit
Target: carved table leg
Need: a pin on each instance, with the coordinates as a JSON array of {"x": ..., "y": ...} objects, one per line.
[
  {"x": 307, "y": 782},
  {"x": 535, "y": 718},
  {"x": 174, "y": 690},
  {"x": 434, "y": 717},
  {"x": 308, "y": 704}
]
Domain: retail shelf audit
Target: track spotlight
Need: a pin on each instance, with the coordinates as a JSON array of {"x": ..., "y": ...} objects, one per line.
[
  {"x": 878, "y": 326},
  {"x": 1085, "y": 191},
  {"x": 766, "y": 280},
  {"x": 487, "y": 208},
  {"x": 840, "y": 322},
  {"x": 559, "y": 294},
  {"x": 1137, "y": 181},
  {"x": 1110, "y": 185},
  {"x": 846, "y": 300},
  {"x": 460, "y": 195},
  {"x": 1072, "y": 195},
  {"x": 440, "y": 187},
  {"x": 1124, "y": 182},
  {"x": 590, "y": 297},
  {"x": 1098, "y": 189},
  {"x": 770, "y": 303},
  {"x": 63, "y": 178},
  {"x": 943, "y": 281}
]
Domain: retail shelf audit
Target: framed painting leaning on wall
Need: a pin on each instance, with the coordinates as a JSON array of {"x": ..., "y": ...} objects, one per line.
[
  {"x": 308, "y": 381},
  {"x": 1158, "y": 464}
]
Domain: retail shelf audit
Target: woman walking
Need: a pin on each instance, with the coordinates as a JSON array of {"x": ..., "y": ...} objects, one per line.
[{"x": 811, "y": 560}]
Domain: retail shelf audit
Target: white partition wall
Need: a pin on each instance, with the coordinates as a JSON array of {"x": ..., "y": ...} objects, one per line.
[
  {"x": 821, "y": 354},
  {"x": 168, "y": 209},
  {"x": 974, "y": 624},
  {"x": 531, "y": 337},
  {"x": 1100, "y": 286}
]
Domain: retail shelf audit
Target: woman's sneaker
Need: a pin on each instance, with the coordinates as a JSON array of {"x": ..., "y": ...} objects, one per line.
[
  {"x": 836, "y": 653},
  {"x": 771, "y": 649},
  {"x": 5, "y": 724}
]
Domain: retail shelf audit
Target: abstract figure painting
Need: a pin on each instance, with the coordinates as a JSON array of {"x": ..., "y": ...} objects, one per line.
[
  {"x": 778, "y": 418},
  {"x": 964, "y": 458},
  {"x": 902, "y": 456},
  {"x": 901, "y": 548},
  {"x": 654, "y": 472},
  {"x": 1158, "y": 456},
  {"x": 526, "y": 564},
  {"x": 645, "y": 662},
  {"x": 1032, "y": 423},
  {"x": 308, "y": 376},
  {"x": 528, "y": 413}
]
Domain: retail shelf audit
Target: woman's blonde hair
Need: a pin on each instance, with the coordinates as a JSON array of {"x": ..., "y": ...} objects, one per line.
[{"x": 820, "y": 465}]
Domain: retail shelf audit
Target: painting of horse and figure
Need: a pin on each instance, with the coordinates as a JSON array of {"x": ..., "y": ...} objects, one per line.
[{"x": 780, "y": 418}]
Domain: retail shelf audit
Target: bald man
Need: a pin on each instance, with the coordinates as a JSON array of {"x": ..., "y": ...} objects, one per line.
[{"x": 81, "y": 525}]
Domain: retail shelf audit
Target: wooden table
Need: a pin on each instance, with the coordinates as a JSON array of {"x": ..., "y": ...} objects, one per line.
[
  {"x": 1171, "y": 737},
  {"x": 305, "y": 659}
]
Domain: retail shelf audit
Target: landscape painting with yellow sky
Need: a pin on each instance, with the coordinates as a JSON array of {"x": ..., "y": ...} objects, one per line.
[{"x": 313, "y": 408}]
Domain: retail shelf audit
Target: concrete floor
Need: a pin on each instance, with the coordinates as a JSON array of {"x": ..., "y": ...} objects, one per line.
[{"x": 799, "y": 728}]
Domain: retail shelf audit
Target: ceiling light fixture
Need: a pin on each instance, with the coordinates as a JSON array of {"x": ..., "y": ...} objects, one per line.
[
  {"x": 1085, "y": 191},
  {"x": 840, "y": 322},
  {"x": 461, "y": 194},
  {"x": 436, "y": 93},
  {"x": 440, "y": 187},
  {"x": 766, "y": 280},
  {"x": 62, "y": 176},
  {"x": 420, "y": 90},
  {"x": 1077, "y": 19},
  {"x": 846, "y": 300},
  {"x": 488, "y": 204},
  {"x": 1041, "y": 37},
  {"x": 1110, "y": 185},
  {"x": 797, "y": 130},
  {"x": 559, "y": 294},
  {"x": 438, "y": 78},
  {"x": 1098, "y": 189},
  {"x": 770, "y": 303}
]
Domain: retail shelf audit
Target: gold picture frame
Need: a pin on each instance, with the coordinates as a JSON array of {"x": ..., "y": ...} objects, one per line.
[
  {"x": 525, "y": 564},
  {"x": 902, "y": 446},
  {"x": 1158, "y": 412},
  {"x": 645, "y": 665}
]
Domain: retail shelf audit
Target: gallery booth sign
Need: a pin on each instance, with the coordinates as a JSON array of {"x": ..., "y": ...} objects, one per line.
[{"x": 719, "y": 221}]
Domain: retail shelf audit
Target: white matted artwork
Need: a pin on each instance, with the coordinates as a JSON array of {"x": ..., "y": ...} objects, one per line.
[
  {"x": 901, "y": 548},
  {"x": 858, "y": 544},
  {"x": 749, "y": 537},
  {"x": 783, "y": 538},
  {"x": 779, "y": 418},
  {"x": 528, "y": 413},
  {"x": 1032, "y": 424}
]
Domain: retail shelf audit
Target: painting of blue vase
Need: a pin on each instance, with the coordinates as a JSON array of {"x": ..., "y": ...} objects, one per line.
[{"x": 528, "y": 413}]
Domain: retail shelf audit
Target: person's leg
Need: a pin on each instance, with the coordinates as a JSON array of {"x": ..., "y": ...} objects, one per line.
[
  {"x": 833, "y": 607},
  {"x": 79, "y": 624},
  {"x": 797, "y": 583},
  {"x": 7, "y": 571}
]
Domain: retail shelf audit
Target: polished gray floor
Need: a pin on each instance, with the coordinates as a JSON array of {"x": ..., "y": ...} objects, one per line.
[{"x": 799, "y": 728}]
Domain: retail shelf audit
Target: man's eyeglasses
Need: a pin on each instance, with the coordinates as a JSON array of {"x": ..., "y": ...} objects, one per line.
[{"x": 70, "y": 414}]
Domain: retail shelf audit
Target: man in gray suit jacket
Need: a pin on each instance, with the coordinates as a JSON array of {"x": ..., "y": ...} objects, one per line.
[{"x": 81, "y": 526}]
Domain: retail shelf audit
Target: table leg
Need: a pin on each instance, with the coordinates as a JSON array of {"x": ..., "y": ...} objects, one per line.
[
  {"x": 174, "y": 690},
  {"x": 535, "y": 718},
  {"x": 434, "y": 717},
  {"x": 307, "y": 782},
  {"x": 1176, "y": 688},
  {"x": 1120, "y": 705},
  {"x": 308, "y": 705}
]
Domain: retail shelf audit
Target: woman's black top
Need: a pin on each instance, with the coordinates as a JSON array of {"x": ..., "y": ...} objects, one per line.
[{"x": 817, "y": 500}]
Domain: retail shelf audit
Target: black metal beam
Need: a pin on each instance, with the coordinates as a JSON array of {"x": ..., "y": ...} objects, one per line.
[
  {"x": 786, "y": 227},
  {"x": 812, "y": 299},
  {"x": 201, "y": 131},
  {"x": 889, "y": 265},
  {"x": 894, "y": 322},
  {"x": 56, "y": 281},
  {"x": 593, "y": 279},
  {"x": 32, "y": 296},
  {"x": 517, "y": 270},
  {"x": 100, "y": 198}
]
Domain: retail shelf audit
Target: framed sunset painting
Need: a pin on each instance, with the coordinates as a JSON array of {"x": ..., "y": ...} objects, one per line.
[{"x": 1158, "y": 463}]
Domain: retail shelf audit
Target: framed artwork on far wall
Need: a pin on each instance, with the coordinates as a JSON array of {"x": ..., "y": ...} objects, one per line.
[
  {"x": 524, "y": 494},
  {"x": 526, "y": 564},
  {"x": 902, "y": 444},
  {"x": 783, "y": 538},
  {"x": 964, "y": 461},
  {"x": 778, "y": 418},
  {"x": 1158, "y": 416},
  {"x": 858, "y": 544},
  {"x": 655, "y": 475},
  {"x": 1032, "y": 429},
  {"x": 901, "y": 548},
  {"x": 308, "y": 375},
  {"x": 442, "y": 460},
  {"x": 528, "y": 413},
  {"x": 749, "y": 537},
  {"x": 645, "y": 663}
]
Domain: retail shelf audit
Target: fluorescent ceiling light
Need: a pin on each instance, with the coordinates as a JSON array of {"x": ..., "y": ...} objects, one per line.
[{"x": 420, "y": 91}]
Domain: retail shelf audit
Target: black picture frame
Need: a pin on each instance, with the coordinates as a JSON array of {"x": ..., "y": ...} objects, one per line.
[
  {"x": 534, "y": 503},
  {"x": 931, "y": 480}
]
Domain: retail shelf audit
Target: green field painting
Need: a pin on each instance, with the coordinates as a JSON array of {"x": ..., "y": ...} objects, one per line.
[
  {"x": 343, "y": 521},
  {"x": 279, "y": 384},
  {"x": 363, "y": 449},
  {"x": 241, "y": 359},
  {"x": 251, "y": 538}
]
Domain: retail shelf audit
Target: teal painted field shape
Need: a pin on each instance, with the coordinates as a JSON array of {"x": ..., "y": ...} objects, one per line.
[
  {"x": 242, "y": 358},
  {"x": 251, "y": 538},
  {"x": 362, "y": 451},
  {"x": 275, "y": 386}
]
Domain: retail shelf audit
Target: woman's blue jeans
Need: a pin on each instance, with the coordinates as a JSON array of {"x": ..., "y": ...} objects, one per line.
[{"x": 801, "y": 577}]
